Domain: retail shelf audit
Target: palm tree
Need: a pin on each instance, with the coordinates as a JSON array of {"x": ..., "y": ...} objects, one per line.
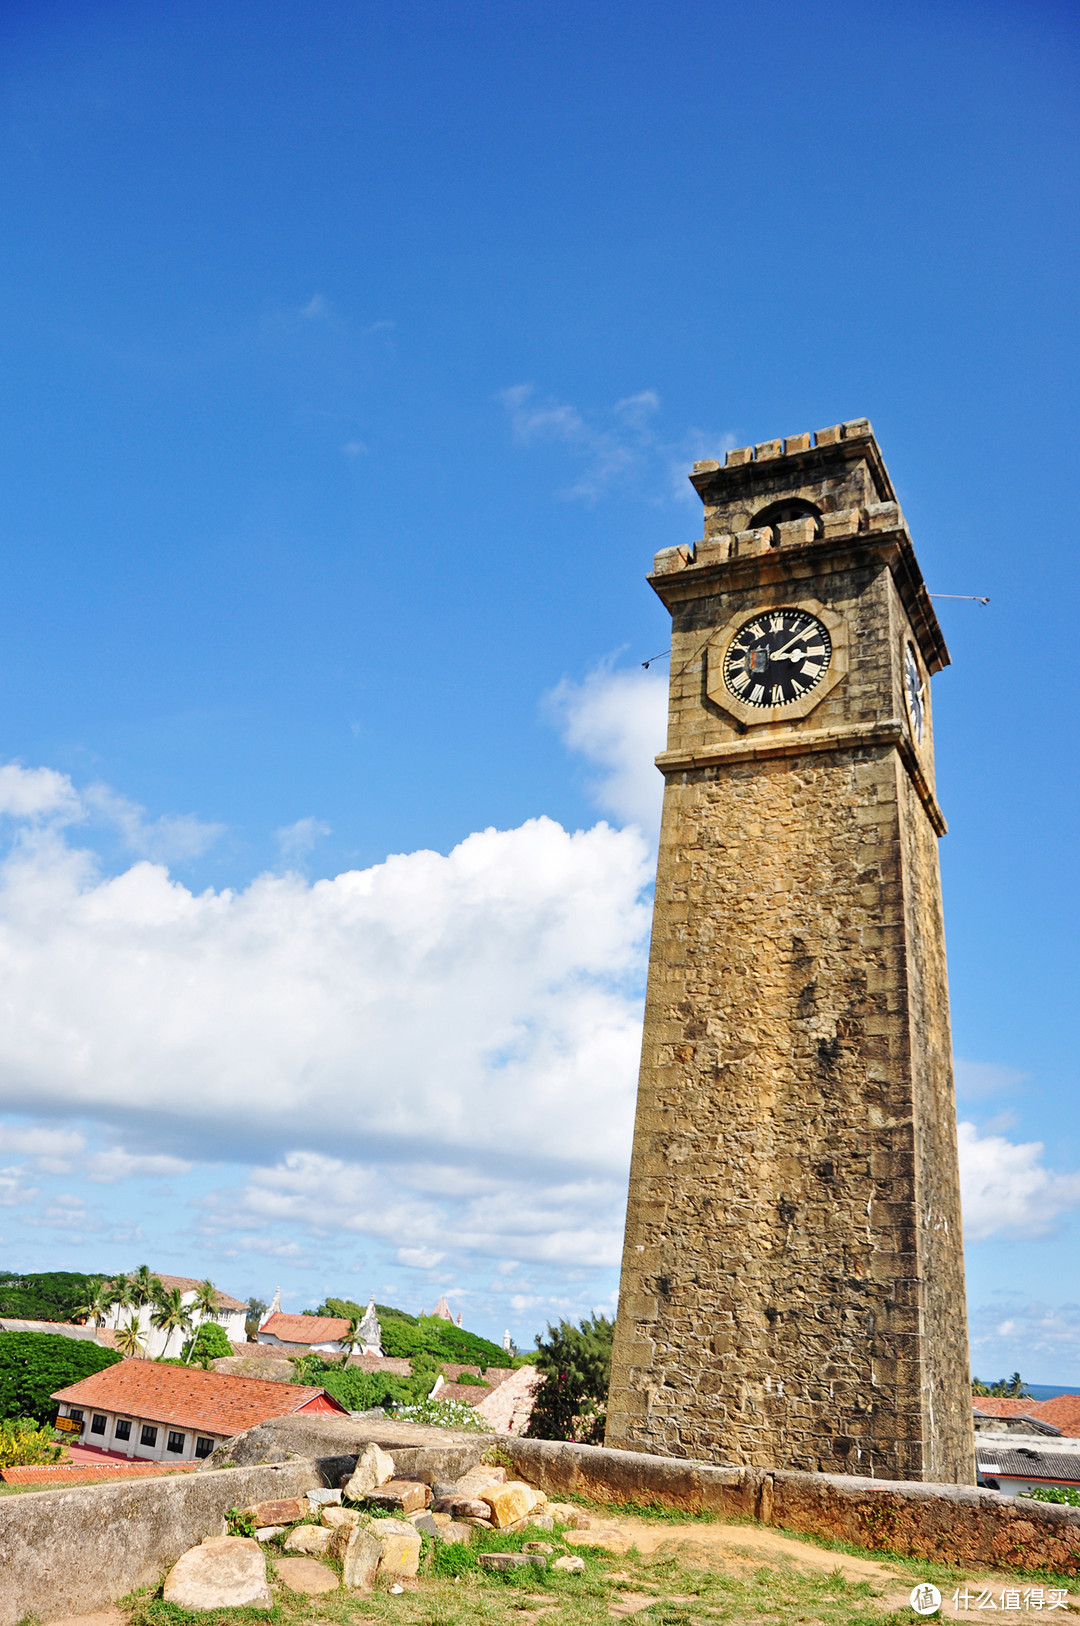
[
  {"x": 145, "y": 1289},
  {"x": 98, "y": 1306},
  {"x": 206, "y": 1300},
  {"x": 171, "y": 1314},
  {"x": 129, "y": 1339},
  {"x": 352, "y": 1337},
  {"x": 121, "y": 1292}
]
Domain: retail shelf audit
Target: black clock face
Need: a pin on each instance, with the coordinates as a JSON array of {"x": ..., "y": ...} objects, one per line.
[
  {"x": 776, "y": 658},
  {"x": 915, "y": 690}
]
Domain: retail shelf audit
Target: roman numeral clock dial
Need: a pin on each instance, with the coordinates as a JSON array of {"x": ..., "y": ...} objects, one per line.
[{"x": 777, "y": 658}]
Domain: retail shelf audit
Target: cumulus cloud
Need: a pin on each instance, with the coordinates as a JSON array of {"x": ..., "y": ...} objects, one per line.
[
  {"x": 618, "y": 720},
  {"x": 1005, "y": 1189},
  {"x": 475, "y": 1010}
]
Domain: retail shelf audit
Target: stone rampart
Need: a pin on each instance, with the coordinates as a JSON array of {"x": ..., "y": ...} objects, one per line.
[
  {"x": 67, "y": 1552},
  {"x": 953, "y": 1524}
]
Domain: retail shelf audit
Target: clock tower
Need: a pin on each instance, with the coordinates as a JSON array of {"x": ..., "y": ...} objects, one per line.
[{"x": 792, "y": 1281}]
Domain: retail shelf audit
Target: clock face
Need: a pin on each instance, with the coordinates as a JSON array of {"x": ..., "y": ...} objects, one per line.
[
  {"x": 915, "y": 691},
  {"x": 776, "y": 658}
]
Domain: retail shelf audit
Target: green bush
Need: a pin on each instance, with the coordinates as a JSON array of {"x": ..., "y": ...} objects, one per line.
[
  {"x": 411, "y": 1335},
  {"x": 210, "y": 1343},
  {"x": 35, "y": 1364},
  {"x": 1055, "y": 1493},
  {"x": 52, "y": 1295},
  {"x": 23, "y": 1444},
  {"x": 571, "y": 1397}
]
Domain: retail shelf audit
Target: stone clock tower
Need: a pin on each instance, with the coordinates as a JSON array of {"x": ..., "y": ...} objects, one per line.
[{"x": 792, "y": 1280}]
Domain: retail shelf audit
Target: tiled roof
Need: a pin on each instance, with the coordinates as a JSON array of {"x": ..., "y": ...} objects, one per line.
[
  {"x": 1028, "y": 1464},
  {"x": 184, "y": 1397},
  {"x": 306, "y": 1329},
  {"x": 1063, "y": 1411},
  {"x": 188, "y": 1284}
]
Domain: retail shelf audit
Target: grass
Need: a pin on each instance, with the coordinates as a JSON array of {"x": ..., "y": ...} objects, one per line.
[{"x": 737, "y": 1589}]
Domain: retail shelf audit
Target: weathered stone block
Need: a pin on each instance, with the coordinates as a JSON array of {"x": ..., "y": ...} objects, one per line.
[
  {"x": 285, "y": 1511},
  {"x": 738, "y": 456},
  {"x": 226, "y": 1572}
]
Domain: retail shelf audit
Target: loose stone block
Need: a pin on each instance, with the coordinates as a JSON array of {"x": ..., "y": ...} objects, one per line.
[
  {"x": 374, "y": 1467},
  {"x": 286, "y": 1511},
  {"x": 225, "y": 1572},
  {"x": 306, "y": 1576},
  {"x": 509, "y": 1503},
  {"x": 401, "y": 1495},
  {"x": 309, "y": 1538},
  {"x": 511, "y": 1561},
  {"x": 358, "y": 1552}
]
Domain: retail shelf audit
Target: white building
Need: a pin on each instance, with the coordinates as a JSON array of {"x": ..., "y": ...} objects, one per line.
[
  {"x": 175, "y": 1413},
  {"x": 229, "y": 1315},
  {"x": 326, "y": 1333}
]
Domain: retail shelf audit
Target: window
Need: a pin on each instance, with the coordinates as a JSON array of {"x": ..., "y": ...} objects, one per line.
[
  {"x": 122, "y": 1431},
  {"x": 148, "y": 1435},
  {"x": 176, "y": 1440},
  {"x": 203, "y": 1447},
  {"x": 75, "y": 1414},
  {"x": 97, "y": 1424}
]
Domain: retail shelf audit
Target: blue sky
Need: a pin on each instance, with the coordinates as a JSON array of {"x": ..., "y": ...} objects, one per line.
[{"x": 353, "y": 361}]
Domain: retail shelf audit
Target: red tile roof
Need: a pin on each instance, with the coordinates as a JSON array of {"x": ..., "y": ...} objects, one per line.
[
  {"x": 188, "y": 1284},
  {"x": 306, "y": 1329},
  {"x": 1063, "y": 1411},
  {"x": 215, "y": 1402}
]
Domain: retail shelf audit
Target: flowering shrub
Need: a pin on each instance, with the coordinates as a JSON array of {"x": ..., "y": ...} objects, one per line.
[
  {"x": 23, "y": 1444},
  {"x": 443, "y": 1414}
]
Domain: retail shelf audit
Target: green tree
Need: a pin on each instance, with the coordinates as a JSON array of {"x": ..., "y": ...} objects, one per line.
[
  {"x": 205, "y": 1300},
  {"x": 171, "y": 1314},
  {"x": 52, "y": 1295},
  {"x": 1012, "y": 1388},
  {"x": 571, "y": 1397},
  {"x": 256, "y": 1313},
  {"x": 33, "y": 1365},
  {"x": 209, "y": 1344},
  {"x": 129, "y": 1339},
  {"x": 97, "y": 1307},
  {"x": 145, "y": 1289}
]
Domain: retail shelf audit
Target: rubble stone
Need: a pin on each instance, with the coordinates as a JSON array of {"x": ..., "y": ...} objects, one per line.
[
  {"x": 511, "y": 1561},
  {"x": 306, "y": 1575},
  {"x": 334, "y": 1517},
  {"x": 511, "y": 1502},
  {"x": 570, "y": 1564},
  {"x": 454, "y": 1534},
  {"x": 374, "y": 1467},
  {"x": 309, "y": 1538},
  {"x": 358, "y": 1552},
  {"x": 284, "y": 1511},
  {"x": 226, "y": 1572},
  {"x": 404, "y": 1495}
]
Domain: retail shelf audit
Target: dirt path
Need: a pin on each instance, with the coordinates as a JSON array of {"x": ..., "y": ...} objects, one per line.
[{"x": 748, "y": 1545}]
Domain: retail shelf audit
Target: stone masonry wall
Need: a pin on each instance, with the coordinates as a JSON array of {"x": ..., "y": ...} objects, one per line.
[{"x": 775, "y": 1305}]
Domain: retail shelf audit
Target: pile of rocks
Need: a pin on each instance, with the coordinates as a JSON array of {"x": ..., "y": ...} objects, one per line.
[{"x": 376, "y": 1539}]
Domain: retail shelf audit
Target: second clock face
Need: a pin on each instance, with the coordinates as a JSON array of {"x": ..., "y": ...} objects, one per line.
[{"x": 777, "y": 657}]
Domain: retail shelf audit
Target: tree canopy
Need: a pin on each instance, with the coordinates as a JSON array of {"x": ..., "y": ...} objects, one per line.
[
  {"x": 51, "y": 1295},
  {"x": 33, "y": 1365},
  {"x": 571, "y": 1397}
]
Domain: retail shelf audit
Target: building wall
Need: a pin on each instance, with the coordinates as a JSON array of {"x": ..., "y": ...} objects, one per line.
[
  {"x": 157, "y": 1343},
  {"x": 133, "y": 1447}
]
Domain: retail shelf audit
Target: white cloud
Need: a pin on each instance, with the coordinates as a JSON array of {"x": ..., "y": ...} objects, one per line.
[
  {"x": 316, "y": 307},
  {"x": 296, "y": 840},
  {"x": 174, "y": 837},
  {"x": 106, "y": 1168},
  {"x": 37, "y": 793},
  {"x": 12, "y": 1190},
  {"x": 1006, "y": 1190},
  {"x": 1009, "y": 1333},
  {"x": 476, "y": 1010},
  {"x": 419, "y": 1258},
  {"x": 617, "y": 443},
  {"x": 53, "y": 1150},
  {"x": 618, "y": 720}
]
